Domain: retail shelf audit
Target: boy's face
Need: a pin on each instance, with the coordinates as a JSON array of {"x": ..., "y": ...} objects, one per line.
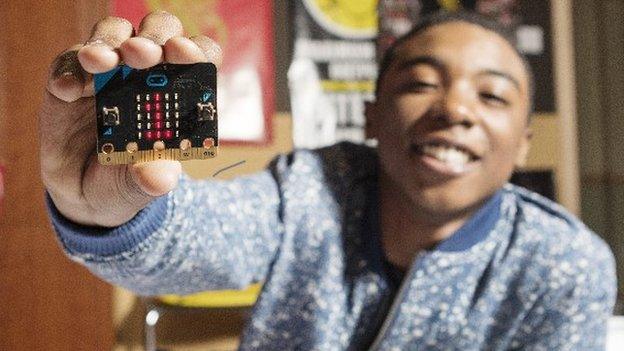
[{"x": 451, "y": 117}]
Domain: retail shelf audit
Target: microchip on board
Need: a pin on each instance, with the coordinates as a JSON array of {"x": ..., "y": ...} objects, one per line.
[{"x": 166, "y": 112}]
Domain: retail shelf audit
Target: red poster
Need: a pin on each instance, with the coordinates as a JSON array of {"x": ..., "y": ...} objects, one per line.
[{"x": 244, "y": 30}]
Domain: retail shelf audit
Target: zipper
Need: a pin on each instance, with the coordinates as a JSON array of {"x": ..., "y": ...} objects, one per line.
[{"x": 396, "y": 303}]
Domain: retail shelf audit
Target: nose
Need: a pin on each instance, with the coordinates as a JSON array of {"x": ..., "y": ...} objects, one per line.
[{"x": 455, "y": 107}]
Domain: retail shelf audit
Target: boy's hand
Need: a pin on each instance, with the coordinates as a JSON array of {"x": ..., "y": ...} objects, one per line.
[{"x": 82, "y": 189}]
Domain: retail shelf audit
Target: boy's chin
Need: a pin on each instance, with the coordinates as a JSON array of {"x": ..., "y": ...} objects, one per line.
[{"x": 447, "y": 203}]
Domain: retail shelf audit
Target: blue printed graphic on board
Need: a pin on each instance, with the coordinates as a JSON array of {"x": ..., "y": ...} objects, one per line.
[
  {"x": 125, "y": 71},
  {"x": 207, "y": 95},
  {"x": 108, "y": 131},
  {"x": 100, "y": 79},
  {"x": 157, "y": 80}
]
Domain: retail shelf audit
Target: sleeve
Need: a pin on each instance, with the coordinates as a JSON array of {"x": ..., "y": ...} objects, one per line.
[
  {"x": 205, "y": 235},
  {"x": 573, "y": 310}
]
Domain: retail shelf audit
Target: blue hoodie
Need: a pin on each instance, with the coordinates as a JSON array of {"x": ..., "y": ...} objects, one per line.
[{"x": 522, "y": 273}]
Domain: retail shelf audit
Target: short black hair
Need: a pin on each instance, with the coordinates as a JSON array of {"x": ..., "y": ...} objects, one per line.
[{"x": 470, "y": 17}]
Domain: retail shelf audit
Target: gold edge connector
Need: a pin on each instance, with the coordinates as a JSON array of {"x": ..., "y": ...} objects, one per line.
[{"x": 124, "y": 157}]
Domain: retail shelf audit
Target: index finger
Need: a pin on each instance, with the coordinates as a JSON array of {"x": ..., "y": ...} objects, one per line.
[
  {"x": 160, "y": 26},
  {"x": 145, "y": 50},
  {"x": 99, "y": 53}
]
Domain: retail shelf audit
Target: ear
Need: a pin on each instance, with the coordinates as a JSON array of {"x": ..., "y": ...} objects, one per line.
[
  {"x": 370, "y": 114},
  {"x": 525, "y": 145}
]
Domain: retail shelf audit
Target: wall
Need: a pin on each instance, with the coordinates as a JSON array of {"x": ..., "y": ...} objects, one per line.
[
  {"x": 599, "y": 36},
  {"x": 46, "y": 302}
]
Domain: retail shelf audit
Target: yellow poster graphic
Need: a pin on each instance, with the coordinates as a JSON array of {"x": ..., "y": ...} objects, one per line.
[{"x": 355, "y": 19}]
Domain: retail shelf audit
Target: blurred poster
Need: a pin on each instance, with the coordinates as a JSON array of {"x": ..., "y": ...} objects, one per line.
[
  {"x": 243, "y": 28},
  {"x": 336, "y": 43},
  {"x": 529, "y": 19},
  {"x": 333, "y": 69}
]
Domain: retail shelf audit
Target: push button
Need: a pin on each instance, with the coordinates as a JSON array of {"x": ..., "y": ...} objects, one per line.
[
  {"x": 111, "y": 116},
  {"x": 205, "y": 111}
]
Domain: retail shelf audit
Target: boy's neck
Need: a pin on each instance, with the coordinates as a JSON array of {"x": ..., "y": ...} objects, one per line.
[{"x": 407, "y": 229}]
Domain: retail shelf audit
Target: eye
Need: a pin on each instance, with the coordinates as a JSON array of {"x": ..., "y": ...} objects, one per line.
[{"x": 493, "y": 99}]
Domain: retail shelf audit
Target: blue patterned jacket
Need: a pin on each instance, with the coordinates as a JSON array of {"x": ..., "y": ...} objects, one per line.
[{"x": 521, "y": 274}]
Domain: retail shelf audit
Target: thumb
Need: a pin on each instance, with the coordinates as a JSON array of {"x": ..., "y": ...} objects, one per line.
[
  {"x": 67, "y": 79},
  {"x": 156, "y": 178}
]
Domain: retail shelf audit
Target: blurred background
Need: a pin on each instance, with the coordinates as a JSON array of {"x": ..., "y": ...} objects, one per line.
[{"x": 296, "y": 74}]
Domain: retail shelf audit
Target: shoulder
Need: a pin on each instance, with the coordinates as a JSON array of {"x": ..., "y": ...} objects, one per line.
[
  {"x": 547, "y": 223},
  {"x": 562, "y": 250},
  {"x": 569, "y": 287}
]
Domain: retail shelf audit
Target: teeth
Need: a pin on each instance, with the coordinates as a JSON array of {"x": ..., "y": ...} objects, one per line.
[{"x": 455, "y": 158}]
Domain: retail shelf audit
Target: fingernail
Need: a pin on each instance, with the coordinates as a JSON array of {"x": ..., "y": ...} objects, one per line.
[
  {"x": 98, "y": 42},
  {"x": 67, "y": 66}
]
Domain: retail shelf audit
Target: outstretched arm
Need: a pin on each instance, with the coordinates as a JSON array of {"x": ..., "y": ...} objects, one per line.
[{"x": 205, "y": 235}]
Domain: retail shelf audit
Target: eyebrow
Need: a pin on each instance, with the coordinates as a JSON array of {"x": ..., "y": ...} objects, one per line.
[
  {"x": 420, "y": 60},
  {"x": 438, "y": 64}
]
